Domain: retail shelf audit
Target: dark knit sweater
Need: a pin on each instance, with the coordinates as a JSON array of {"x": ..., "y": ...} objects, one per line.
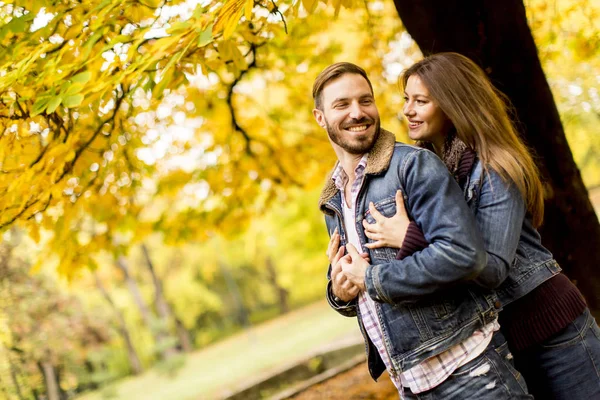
[{"x": 533, "y": 318}]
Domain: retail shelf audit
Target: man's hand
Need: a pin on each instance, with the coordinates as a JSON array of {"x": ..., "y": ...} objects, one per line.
[
  {"x": 333, "y": 246},
  {"x": 341, "y": 286},
  {"x": 354, "y": 267}
]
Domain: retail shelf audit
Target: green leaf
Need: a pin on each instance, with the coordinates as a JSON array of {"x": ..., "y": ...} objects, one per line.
[
  {"x": 157, "y": 91},
  {"x": 118, "y": 39},
  {"x": 74, "y": 89},
  {"x": 178, "y": 27},
  {"x": 39, "y": 105},
  {"x": 206, "y": 36},
  {"x": 73, "y": 101},
  {"x": 82, "y": 77},
  {"x": 53, "y": 104},
  {"x": 16, "y": 25}
]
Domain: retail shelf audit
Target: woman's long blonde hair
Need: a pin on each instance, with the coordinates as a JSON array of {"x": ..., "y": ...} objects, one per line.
[{"x": 480, "y": 115}]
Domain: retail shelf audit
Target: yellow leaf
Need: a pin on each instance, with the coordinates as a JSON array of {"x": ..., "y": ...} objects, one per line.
[
  {"x": 248, "y": 9},
  {"x": 337, "y": 4},
  {"x": 310, "y": 5},
  {"x": 34, "y": 232},
  {"x": 228, "y": 17}
]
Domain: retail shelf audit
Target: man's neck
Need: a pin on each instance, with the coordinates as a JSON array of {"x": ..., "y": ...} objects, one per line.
[{"x": 349, "y": 162}]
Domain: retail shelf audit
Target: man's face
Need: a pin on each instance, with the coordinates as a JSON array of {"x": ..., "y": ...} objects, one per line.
[{"x": 349, "y": 114}]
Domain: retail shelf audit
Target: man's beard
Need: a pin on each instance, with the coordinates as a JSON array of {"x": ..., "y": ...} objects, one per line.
[{"x": 354, "y": 145}]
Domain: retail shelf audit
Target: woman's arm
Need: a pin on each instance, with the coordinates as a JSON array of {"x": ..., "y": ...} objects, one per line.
[
  {"x": 499, "y": 216},
  {"x": 398, "y": 231}
]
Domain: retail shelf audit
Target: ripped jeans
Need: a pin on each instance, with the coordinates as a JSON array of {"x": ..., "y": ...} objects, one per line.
[{"x": 491, "y": 376}]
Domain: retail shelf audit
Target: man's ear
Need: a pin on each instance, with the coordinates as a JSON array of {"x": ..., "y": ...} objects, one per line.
[{"x": 319, "y": 117}]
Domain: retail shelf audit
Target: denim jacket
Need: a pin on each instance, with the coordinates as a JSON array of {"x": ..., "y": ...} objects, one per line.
[
  {"x": 517, "y": 262},
  {"x": 427, "y": 302}
]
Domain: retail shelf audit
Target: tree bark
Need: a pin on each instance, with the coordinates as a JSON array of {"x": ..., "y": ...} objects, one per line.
[
  {"x": 134, "y": 360},
  {"x": 14, "y": 376},
  {"x": 282, "y": 293},
  {"x": 241, "y": 311},
  {"x": 495, "y": 34},
  {"x": 149, "y": 319},
  {"x": 164, "y": 309},
  {"x": 50, "y": 380}
]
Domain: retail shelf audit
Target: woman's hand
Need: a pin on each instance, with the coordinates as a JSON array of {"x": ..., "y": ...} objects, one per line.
[{"x": 387, "y": 232}]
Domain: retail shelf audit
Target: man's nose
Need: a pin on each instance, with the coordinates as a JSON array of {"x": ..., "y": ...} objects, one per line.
[{"x": 356, "y": 111}]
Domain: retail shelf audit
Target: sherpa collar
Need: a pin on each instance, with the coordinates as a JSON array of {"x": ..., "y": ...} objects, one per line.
[{"x": 378, "y": 161}]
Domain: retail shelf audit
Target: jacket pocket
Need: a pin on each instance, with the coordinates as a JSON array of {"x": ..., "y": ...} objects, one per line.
[{"x": 387, "y": 207}]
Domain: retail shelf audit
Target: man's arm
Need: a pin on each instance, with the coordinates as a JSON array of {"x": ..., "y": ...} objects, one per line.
[
  {"x": 499, "y": 218},
  {"x": 455, "y": 254}
]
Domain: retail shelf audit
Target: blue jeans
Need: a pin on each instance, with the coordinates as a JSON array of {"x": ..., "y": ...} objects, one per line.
[
  {"x": 566, "y": 366},
  {"x": 491, "y": 376}
]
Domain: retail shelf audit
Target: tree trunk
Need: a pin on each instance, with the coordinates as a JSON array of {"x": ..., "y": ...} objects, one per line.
[
  {"x": 50, "y": 380},
  {"x": 149, "y": 319},
  {"x": 134, "y": 360},
  {"x": 13, "y": 376},
  {"x": 165, "y": 311},
  {"x": 282, "y": 293},
  {"x": 242, "y": 313},
  {"x": 495, "y": 34}
]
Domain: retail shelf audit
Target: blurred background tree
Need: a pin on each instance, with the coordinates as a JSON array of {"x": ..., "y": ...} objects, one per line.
[{"x": 160, "y": 169}]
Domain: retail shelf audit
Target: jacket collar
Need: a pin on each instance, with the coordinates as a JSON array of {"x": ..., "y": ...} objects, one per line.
[{"x": 378, "y": 161}]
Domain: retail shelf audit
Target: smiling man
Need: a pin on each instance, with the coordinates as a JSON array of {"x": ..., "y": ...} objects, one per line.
[{"x": 423, "y": 319}]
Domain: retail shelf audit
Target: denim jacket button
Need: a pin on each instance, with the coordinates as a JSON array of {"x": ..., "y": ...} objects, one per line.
[{"x": 497, "y": 304}]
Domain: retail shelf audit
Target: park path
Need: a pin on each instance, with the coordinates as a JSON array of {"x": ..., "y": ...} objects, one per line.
[{"x": 355, "y": 384}]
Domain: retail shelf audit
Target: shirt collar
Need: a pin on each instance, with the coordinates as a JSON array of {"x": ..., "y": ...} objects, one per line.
[{"x": 339, "y": 176}]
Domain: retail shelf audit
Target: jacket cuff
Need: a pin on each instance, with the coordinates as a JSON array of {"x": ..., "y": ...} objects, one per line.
[
  {"x": 347, "y": 309},
  {"x": 414, "y": 241},
  {"x": 373, "y": 285}
]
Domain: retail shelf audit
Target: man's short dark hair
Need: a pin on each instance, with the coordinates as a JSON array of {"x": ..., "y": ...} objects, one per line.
[{"x": 333, "y": 72}]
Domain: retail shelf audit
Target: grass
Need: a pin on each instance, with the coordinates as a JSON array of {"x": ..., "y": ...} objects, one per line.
[{"x": 231, "y": 364}]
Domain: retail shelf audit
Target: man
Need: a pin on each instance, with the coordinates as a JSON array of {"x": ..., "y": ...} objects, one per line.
[{"x": 422, "y": 317}]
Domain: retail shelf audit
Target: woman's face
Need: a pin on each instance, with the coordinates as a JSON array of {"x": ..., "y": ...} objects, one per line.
[{"x": 426, "y": 121}]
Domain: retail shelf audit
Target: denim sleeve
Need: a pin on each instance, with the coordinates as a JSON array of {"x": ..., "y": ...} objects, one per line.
[
  {"x": 499, "y": 215},
  {"x": 455, "y": 254},
  {"x": 347, "y": 309}
]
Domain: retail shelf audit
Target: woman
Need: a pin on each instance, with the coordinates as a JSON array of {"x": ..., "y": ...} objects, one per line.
[{"x": 454, "y": 110}]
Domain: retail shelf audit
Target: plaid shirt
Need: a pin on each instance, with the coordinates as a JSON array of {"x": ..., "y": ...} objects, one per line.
[{"x": 433, "y": 371}]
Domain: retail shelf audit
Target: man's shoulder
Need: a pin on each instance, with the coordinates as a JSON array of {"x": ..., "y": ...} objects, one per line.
[
  {"x": 399, "y": 146},
  {"x": 403, "y": 151}
]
